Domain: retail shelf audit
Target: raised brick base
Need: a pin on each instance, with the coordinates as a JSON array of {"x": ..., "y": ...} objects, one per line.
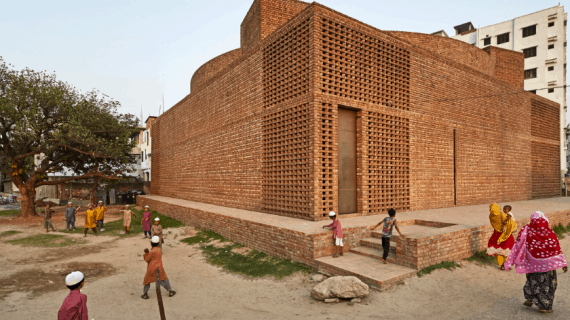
[{"x": 432, "y": 236}]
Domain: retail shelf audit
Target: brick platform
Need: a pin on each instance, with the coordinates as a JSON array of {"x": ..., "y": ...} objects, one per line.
[{"x": 432, "y": 235}]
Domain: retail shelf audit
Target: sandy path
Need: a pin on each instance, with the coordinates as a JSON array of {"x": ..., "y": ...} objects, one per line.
[{"x": 206, "y": 292}]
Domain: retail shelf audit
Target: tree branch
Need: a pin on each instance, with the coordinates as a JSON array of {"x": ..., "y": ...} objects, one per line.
[{"x": 101, "y": 175}]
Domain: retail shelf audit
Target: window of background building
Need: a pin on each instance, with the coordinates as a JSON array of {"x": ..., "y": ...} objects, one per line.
[
  {"x": 532, "y": 91},
  {"x": 551, "y": 90},
  {"x": 564, "y": 44},
  {"x": 530, "y": 73},
  {"x": 502, "y": 38},
  {"x": 551, "y": 24},
  {"x": 550, "y": 46},
  {"x": 487, "y": 41},
  {"x": 529, "y": 52},
  {"x": 550, "y": 68},
  {"x": 529, "y": 31}
]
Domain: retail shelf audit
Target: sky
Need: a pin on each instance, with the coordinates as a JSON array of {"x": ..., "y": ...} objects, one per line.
[{"x": 139, "y": 51}]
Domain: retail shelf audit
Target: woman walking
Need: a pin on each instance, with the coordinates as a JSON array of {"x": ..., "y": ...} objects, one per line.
[
  {"x": 502, "y": 240},
  {"x": 146, "y": 223},
  {"x": 537, "y": 253}
]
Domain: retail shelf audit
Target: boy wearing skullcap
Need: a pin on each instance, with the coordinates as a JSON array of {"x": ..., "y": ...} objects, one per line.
[
  {"x": 127, "y": 213},
  {"x": 74, "y": 306},
  {"x": 154, "y": 260},
  {"x": 337, "y": 234},
  {"x": 156, "y": 230},
  {"x": 100, "y": 215}
]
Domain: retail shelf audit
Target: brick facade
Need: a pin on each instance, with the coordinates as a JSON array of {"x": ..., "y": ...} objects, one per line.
[{"x": 440, "y": 123}]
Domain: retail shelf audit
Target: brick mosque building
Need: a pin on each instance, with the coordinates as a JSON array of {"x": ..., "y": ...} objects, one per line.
[{"x": 317, "y": 111}]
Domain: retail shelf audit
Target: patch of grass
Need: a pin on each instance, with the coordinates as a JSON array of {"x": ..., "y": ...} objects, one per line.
[
  {"x": 10, "y": 232},
  {"x": 481, "y": 257},
  {"x": 204, "y": 237},
  {"x": 46, "y": 240},
  {"x": 115, "y": 228},
  {"x": 560, "y": 230},
  {"x": 9, "y": 212},
  {"x": 449, "y": 265},
  {"x": 253, "y": 264}
]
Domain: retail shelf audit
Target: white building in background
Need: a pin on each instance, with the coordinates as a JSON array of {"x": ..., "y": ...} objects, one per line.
[
  {"x": 541, "y": 36},
  {"x": 146, "y": 147}
]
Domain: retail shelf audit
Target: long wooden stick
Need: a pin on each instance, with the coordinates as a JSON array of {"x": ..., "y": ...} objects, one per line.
[{"x": 159, "y": 296}]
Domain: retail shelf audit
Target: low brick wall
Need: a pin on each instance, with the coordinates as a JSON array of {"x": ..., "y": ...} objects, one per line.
[
  {"x": 454, "y": 246},
  {"x": 304, "y": 247}
]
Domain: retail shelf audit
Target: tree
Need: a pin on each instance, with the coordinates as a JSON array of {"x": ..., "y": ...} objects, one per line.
[{"x": 48, "y": 126}]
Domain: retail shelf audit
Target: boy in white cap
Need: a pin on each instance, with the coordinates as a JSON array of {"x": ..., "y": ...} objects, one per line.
[
  {"x": 100, "y": 215},
  {"x": 156, "y": 230},
  {"x": 146, "y": 221},
  {"x": 70, "y": 212},
  {"x": 74, "y": 306},
  {"x": 337, "y": 234},
  {"x": 127, "y": 213},
  {"x": 154, "y": 260}
]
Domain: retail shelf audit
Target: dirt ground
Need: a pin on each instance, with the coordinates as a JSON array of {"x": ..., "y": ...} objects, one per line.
[{"x": 32, "y": 286}]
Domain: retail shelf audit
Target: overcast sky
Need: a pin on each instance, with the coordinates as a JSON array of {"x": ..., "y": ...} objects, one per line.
[{"x": 136, "y": 51}]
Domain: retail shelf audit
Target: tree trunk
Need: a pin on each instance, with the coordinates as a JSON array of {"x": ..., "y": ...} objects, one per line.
[
  {"x": 92, "y": 192},
  {"x": 28, "y": 201}
]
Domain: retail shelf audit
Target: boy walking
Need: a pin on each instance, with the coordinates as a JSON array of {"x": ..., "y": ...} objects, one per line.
[
  {"x": 70, "y": 212},
  {"x": 100, "y": 215},
  {"x": 337, "y": 234},
  {"x": 47, "y": 218},
  {"x": 388, "y": 226},
  {"x": 74, "y": 306}
]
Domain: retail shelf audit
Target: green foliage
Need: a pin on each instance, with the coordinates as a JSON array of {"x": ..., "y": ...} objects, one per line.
[
  {"x": 253, "y": 263},
  {"x": 46, "y": 240},
  {"x": 560, "y": 230},
  {"x": 48, "y": 126},
  {"x": 204, "y": 237},
  {"x": 10, "y": 232},
  {"x": 449, "y": 265},
  {"x": 481, "y": 257},
  {"x": 115, "y": 228},
  {"x": 9, "y": 212}
]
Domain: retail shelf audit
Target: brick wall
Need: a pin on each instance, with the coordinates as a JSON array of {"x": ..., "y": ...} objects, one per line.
[
  {"x": 509, "y": 65},
  {"x": 208, "y": 70},
  {"x": 439, "y": 123}
]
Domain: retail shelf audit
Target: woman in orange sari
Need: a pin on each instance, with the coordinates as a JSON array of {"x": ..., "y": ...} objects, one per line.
[{"x": 502, "y": 240}]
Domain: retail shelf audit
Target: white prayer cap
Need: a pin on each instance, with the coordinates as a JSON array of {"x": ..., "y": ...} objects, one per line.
[
  {"x": 70, "y": 203},
  {"x": 74, "y": 278},
  {"x": 332, "y": 214},
  {"x": 155, "y": 239},
  {"x": 126, "y": 205},
  {"x": 100, "y": 201},
  {"x": 156, "y": 219},
  {"x": 146, "y": 206}
]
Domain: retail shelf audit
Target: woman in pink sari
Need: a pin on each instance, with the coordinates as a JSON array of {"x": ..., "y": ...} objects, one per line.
[
  {"x": 146, "y": 221},
  {"x": 537, "y": 253}
]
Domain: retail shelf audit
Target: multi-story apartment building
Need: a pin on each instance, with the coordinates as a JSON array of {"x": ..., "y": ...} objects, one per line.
[
  {"x": 541, "y": 36},
  {"x": 146, "y": 149}
]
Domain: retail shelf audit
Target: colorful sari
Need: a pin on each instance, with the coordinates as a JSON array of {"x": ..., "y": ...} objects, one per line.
[
  {"x": 502, "y": 240},
  {"x": 537, "y": 253}
]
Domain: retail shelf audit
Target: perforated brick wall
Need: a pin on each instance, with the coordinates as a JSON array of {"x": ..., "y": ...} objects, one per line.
[
  {"x": 432, "y": 130},
  {"x": 388, "y": 162},
  {"x": 287, "y": 176},
  {"x": 361, "y": 67}
]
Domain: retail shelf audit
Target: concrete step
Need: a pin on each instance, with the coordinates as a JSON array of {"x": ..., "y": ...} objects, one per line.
[
  {"x": 370, "y": 270},
  {"x": 373, "y": 253},
  {"x": 376, "y": 243}
]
